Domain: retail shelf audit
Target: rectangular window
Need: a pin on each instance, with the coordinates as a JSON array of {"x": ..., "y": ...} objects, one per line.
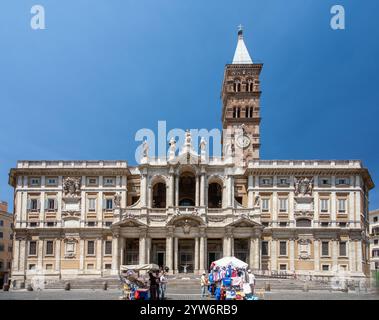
[
  {"x": 49, "y": 248},
  {"x": 283, "y": 204},
  {"x": 265, "y": 205},
  {"x": 33, "y": 224},
  {"x": 283, "y": 181},
  {"x": 264, "y": 248},
  {"x": 1, "y": 247},
  {"x": 33, "y": 204},
  {"x": 51, "y": 181},
  {"x": 341, "y": 205},
  {"x": 109, "y": 204},
  {"x": 283, "y": 248},
  {"x": 342, "y": 181},
  {"x": 49, "y": 266},
  {"x": 325, "y": 181},
  {"x": 376, "y": 241},
  {"x": 324, "y": 204},
  {"x": 1, "y": 235},
  {"x": 108, "y": 247},
  {"x": 282, "y": 267},
  {"x": 32, "y": 248},
  {"x": 91, "y": 247},
  {"x": 92, "y": 204},
  {"x": 325, "y": 248},
  {"x": 108, "y": 266},
  {"x": 325, "y": 267},
  {"x": 108, "y": 223},
  {"x": 34, "y": 181},
  {"x": 92, "y": 181},
  {"x": 1, "y": 223},
  {"x": 51, "y": 204},
  {"x": 342, "y": 249},
  {"x": 90, "y": 266},
  {"x": 109, "y": 181},
  {"x": 282, "y": 224},
  {"x": 91, "y": 223},
  {"x": 50, "y": 224},
  {"x": 32, "y": 266},
  {"x": 324, "y": 224}
]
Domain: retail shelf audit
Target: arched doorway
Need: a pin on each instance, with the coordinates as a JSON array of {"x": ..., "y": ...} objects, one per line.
[
  {"x": 187, "y": 189},
  {"x": 214, "y": 195},
  {"x": 159, "y": 195}
]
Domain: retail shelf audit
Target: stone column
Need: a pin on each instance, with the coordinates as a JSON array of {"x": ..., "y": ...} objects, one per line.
[
  {"x": 40, "y": 255},
  {"x": 143, "y": 190},
  {"x": 257, "y": 254},
  {"x": 99, "y": 254},
  {"x": 251, "y": 253},
  {"x": 359, "y": 255},
  {"x": 203, "y": 250},
  {"x": 231, "y": 246},
  {"x": 16, "y": 255},
  {"x": 197, "y": 200},
  {"x": 58, "y": 254},
  {"x": 316, "y": 211},
  {"x": 333, "y": 210},
  {"x": 351, "y": 256},
  {"x": 150, "y": 196},
  {"x": 121, "y": 248},
  {"x": 142, "y": 249},
  {"x": 42, "y": 201},
  {"x": 202, "y": 189},
  {"x": 100, "y": 208},
  {"x": 169, "y": 261},
  {"x": 225, "y": 246},
  {"x": 334, "y": 255},
  {"x": 196, "y": 267},
  {"x": 291, "y": 209},
  {"x": 229, "y": 191},
  {"x": 22, "y": 262},
  {"x": 275, "y": 209},
  {"x": 351, "y": 209},
  {"x": 176, "y": 255},
  {"x": 115, "y": 254},
  {"x": 316, "y": 249},
  {"x": 250, "y": 194},
  {"x": 81, "y": 255},
  {"x": 273, "y": 256},
  {"x": 148, "y": 249},
  {"x": 83, "y": 204},
  {"x": 177, "y": 190},
  {"x": 292, "y": 255}
]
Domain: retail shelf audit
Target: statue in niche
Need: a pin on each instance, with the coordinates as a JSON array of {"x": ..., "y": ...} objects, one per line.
[
  {"x": 257, "y": 201},
  {"x": 117, "y": 200},
  {"x": 203, "y": 144}
]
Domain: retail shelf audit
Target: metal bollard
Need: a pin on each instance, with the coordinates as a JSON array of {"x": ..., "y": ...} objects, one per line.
[
  {"x": 105, "y": 285},
  {"x": 67, "y": 286},
  {"x": 29, "y": 287}
]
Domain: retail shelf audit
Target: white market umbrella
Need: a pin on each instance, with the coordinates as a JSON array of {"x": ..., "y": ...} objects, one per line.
[{"x": 233, "y": 261}]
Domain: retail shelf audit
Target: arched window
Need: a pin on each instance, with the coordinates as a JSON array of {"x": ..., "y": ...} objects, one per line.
[
  {"x": 159, "y": 195},
  {"x": 237, "y": 86},
  {"x": 250, "y": 86},
  {"x": 236, "y": 112},
  {"x": 187, "y": 189},
  {"x": 214, "y": 195}
]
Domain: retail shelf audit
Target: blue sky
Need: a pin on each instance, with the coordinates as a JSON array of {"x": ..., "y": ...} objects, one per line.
[{"x": 104, "y": 69}]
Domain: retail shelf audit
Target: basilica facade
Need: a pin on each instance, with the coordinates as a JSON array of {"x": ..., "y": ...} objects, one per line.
[{"x": 86, "y": 218}]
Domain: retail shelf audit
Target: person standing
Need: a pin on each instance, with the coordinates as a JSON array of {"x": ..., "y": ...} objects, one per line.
[
  {"x": 163, "y": 285},
  {"x": 153, "y": 286},
  {"x": 158, "y": 281},
  {"x": 203, "y": 284},
  {"x": 251, "y": 280}
]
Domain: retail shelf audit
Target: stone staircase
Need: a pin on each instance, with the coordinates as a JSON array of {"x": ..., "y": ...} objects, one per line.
[{"x": 97, "y": 283}]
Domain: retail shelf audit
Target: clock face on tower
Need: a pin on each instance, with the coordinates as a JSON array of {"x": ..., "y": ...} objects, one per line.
[{"x": 243, "y": 141}]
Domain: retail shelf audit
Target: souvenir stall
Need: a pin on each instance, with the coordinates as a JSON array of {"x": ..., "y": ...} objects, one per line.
[
  {"x": 228, "y": 279},
  {"x": 135, "y": 287}
]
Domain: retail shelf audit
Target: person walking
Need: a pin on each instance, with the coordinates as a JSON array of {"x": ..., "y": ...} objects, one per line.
[
  {"x": 163, "y": 285},
  {"x": 251, "y": 279},
  {"x": 203, "y": 284}
]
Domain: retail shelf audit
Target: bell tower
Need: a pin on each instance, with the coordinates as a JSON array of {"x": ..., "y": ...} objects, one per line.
[{"x": 241, "y": 103}]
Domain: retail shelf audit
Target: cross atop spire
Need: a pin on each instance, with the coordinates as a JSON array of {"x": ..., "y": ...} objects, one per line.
[{"x": 241, "y": 55}]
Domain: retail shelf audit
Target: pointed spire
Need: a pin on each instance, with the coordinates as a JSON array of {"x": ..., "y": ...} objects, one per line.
[{"x": 241, "y": 55}]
